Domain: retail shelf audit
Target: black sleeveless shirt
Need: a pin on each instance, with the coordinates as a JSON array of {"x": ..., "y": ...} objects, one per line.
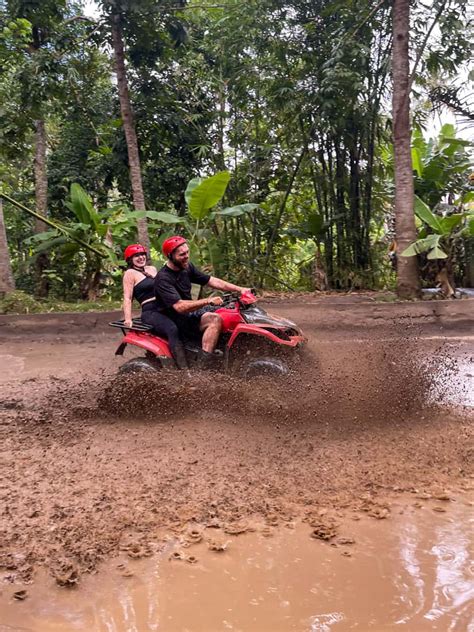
[{"x": 144, "y": 290}]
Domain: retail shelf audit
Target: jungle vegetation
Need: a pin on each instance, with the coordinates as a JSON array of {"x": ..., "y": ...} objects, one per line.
[{"x": 288, "y": 140}]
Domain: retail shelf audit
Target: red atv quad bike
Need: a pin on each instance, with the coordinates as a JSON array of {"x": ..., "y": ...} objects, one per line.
[{"x": 252, "y": 341}]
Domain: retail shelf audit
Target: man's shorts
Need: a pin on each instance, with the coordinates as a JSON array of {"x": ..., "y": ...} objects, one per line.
[{"x": 188, "y": 324}]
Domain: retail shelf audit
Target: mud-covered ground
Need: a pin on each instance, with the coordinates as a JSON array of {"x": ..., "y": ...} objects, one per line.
[{"x": 92, "y": 464}]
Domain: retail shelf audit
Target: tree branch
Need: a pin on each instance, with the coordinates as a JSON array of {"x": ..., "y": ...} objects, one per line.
[{"x": 421, "y": 50}]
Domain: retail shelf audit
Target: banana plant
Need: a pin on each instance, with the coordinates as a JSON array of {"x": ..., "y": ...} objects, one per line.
[
  {"x": 438, "y": 233},
  {"x": 95, "y": 239},
  {"x": 202, "y": 196},
  {"x": 437, "y": 238}
]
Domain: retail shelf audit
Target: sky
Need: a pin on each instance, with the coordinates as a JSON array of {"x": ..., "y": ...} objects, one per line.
[{"x": 91, "y": 9}]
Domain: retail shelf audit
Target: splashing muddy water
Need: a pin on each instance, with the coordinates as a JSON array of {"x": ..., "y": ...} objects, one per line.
[{"x": 411, "y": 572}]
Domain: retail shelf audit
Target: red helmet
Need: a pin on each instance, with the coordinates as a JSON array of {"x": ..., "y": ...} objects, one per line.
[
  {"x": 132, "y": 250},
  {"x": 170, "y": 244}
]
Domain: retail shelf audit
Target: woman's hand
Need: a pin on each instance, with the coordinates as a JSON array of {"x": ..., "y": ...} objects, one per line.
[{"x": 128, "y": 322}]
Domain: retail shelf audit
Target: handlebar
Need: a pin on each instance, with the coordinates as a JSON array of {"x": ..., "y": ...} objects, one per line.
[{"x": 232, "y": 297}]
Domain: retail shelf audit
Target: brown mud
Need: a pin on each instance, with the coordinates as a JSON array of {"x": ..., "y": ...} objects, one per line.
[
  {"x": 412, "y": 571},
  {"x": 94, "y": 465}
]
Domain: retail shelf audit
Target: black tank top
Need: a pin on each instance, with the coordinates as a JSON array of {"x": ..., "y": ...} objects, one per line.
[{"x": 144, "y": 290}]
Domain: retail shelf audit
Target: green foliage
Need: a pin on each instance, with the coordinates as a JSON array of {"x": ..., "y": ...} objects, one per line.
[
  {"x": 237, "y": 211},
  {"x": 440, "y": 165},
  {"x": 202, "y": 195},
  {"x": 19, "y": 302},
  {"x": 445, "y": 230}
]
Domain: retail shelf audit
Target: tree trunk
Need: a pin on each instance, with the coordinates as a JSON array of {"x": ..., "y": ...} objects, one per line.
[
  {"x": 469, "y": 258},
  {"x": 41, "y": 196},
  {"x": 408, "y": 281},
  {"x": 129, "y": 129},
  {"x": 7, "y": 284}
]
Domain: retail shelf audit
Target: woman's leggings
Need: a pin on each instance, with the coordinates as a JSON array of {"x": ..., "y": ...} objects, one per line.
[{"x": 162, "y": 325}]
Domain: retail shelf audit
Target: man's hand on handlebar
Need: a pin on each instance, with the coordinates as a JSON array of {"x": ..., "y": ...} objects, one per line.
[{"x": 215, "y": 300}]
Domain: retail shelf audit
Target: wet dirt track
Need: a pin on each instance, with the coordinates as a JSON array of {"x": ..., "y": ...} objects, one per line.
[{"x": 93, "y": 466}]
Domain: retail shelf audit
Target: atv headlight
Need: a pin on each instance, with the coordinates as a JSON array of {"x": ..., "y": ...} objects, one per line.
[{"x": 258, "y": 316}]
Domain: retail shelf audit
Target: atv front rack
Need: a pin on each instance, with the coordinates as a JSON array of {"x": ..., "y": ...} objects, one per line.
[{"x": 137, "y": 325}]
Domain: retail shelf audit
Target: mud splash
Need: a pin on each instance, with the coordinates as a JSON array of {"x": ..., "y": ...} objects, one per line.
[{"x": 351, "y": 383}]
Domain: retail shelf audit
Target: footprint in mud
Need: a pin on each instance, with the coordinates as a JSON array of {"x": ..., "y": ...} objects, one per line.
[
  {"x": 323, "y": 531},
  {"x": 379, "y": 512},
  {"x": 179, "y": 556},
  {"x": 136, "y": 551},
  {"x": 344, "y": 541},
  {"x": 217, "y": 545},
  {"x": 375, "y": 510},
  {"x": 268, "y": 531},
  {"x": 271, "y": 520},
  {"x": 125, "y": 571},
  {"x": 442, "y": 495},
  {"x": 66, "y": 574},
  {"x": 193, "y": 536},
  {"x": 236, "y": 528}
]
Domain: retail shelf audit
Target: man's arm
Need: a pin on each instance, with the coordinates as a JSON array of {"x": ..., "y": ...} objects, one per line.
[
  {"x": 225, "y": 286},
  {"x": 183, "y": 306}
]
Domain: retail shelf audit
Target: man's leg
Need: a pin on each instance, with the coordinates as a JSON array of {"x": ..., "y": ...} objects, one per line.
[{"x": 211, "y": 326}]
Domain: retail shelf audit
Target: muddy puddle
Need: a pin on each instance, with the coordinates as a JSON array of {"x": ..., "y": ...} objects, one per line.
[{"x": 412, "y": 571}]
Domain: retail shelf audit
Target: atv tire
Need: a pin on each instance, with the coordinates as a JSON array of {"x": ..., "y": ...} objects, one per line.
[
  {"x": 265, "y": 365},
  {"x": 140, "y": 365}
]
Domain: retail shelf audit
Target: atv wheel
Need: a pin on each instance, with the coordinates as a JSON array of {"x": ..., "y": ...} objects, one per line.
[
  {"x": 263, "y": 366},
  {"x": 140, "y": 365}
]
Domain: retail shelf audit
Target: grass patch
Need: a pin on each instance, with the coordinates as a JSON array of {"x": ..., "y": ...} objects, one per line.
[{"x": 19, "y": 302}]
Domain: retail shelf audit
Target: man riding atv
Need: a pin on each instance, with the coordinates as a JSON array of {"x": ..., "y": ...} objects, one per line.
[{"x": 173, "y": 299}]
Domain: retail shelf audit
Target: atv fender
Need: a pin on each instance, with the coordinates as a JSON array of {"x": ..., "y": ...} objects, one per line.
[
  {"x": 260, "y": 330},
  {"x": 145, "y": 341}
]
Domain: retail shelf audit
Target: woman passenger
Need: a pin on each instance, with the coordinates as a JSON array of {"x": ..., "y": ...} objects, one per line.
[{"x": 139, "y": 283}]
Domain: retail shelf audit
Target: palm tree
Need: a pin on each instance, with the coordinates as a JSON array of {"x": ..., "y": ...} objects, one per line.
[
  {"x": 129, "y": 129},
  {"x": 408, "y": 280},
  {"x": 41, "y": 196},
  {"x": 7, "y": 284}
]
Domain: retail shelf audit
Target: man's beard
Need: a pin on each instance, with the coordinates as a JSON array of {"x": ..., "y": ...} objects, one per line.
[{"x": 182, "y": 265}]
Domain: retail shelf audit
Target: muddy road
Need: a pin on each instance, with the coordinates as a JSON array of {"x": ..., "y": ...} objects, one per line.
[{"x": 379, "y": 410}]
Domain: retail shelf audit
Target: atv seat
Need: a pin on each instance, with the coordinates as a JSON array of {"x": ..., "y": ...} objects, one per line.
[{"x": 137, "y": 325}]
